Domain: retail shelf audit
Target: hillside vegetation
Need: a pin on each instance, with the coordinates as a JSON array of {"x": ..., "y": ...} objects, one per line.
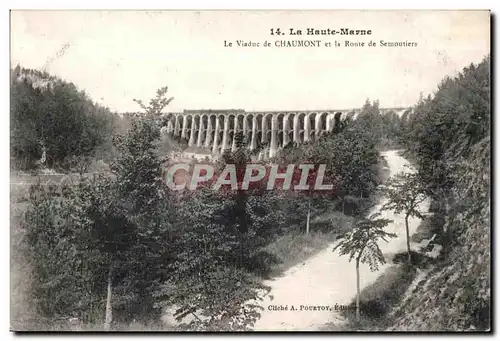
[{"x": 448, "y": 136}]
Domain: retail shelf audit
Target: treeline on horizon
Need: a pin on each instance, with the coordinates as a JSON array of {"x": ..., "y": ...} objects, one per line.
[
  {"x": 122, "y": 248},
  {"x": 53, "y": 124}
]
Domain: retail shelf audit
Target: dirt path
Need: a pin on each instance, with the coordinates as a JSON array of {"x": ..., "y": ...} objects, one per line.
[{"x": 328, "y": 279}]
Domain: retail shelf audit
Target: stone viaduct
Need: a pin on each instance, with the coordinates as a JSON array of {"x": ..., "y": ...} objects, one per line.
[{"x": 214, "y": 130}]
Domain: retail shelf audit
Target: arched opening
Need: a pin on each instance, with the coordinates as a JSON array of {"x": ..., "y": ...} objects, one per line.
[
  {"x": 289, "y": 122},
  {"x": 221, "y": 119},
  {"x": 280, "y": 121},
  {"x": 301, "y": 121},
  {"x": 248, "y": 124},
  {"x": 312, "y": 122},
  {"x": 178, "y": 125},
  {"x": 239, "y": 126},
  {"x": 312, "y": 136},
  {"x": 230, "y": 139},
  {"x": 220, "y": 137},
  {"x": 212, "y": 120},
  {"x": 259, "y": 118},
  {"x": 189, "y": 122},
  {"x": 266, "y": 122},
  {"x": 323, "y": 119},
  {"x": 231, "y": 122},
  {"x": 196, "y": 127},
  {"x": 268, "y": 136},
  {"x": 189, "y": 126},
  {"x": 204, "y": 122},
  {"x": 281, "y": 138},
  {"x": 258, "y": 138},
  {"x": 212, "y": 137}
]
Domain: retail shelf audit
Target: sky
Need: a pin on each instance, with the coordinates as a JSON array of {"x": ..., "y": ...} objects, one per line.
[{"x": 116, "y": 56}]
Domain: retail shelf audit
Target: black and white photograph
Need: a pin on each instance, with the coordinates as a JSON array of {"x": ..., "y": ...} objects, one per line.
[{"x": 250, "y": 171}]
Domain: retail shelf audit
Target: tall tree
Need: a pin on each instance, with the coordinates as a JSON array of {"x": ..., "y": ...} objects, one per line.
[
  {"x": 361, "y": 244},
  {"x": 404, "y": 195}
]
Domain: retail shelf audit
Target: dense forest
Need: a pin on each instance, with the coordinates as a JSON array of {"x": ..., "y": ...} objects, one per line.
[
  {"x": 121, "y": 248},
  {"x": 55, "y": 125}
]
